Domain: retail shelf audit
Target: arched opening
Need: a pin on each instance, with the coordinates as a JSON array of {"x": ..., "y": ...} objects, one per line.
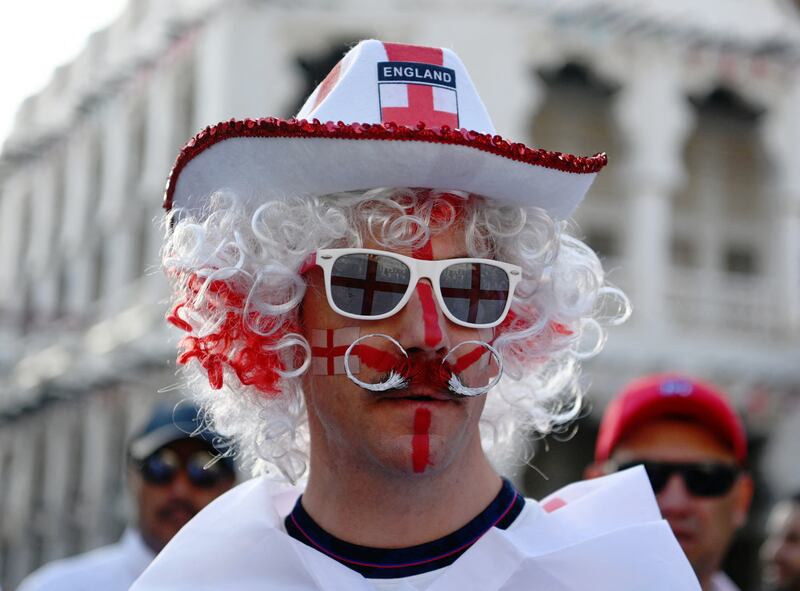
[
  {"x": 576, "y": 117},
  {"x": 721, "y": 218}
]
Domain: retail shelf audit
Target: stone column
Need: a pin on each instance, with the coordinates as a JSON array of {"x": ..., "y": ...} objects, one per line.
[
  {"x": 59, "y": 458},
  {"x": 781, "y": 131},
  {"x": 654, "y": 119},
  {"x": 80, "y": 191},
  {"x": 245, "y": 65},
  {"x": 117, "y": 212},
  {"x": 14, "y": 201},
  {"x": 42, "y": 259},
  {"x": 163, "y": 112},
  {"x": 96, "y": 471},
  {"x": 18, "y": 526}
]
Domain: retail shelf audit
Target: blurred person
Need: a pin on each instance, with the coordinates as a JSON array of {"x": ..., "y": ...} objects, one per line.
[
  {"x": 369, "y": 303},
  {"x": 693, "y": 446},
  {"x": 171, "y": 477},
  {"x": 780, "y": 553}
]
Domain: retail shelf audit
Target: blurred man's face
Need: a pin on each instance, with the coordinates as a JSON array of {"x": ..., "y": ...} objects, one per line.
[
  {"x": 780, "y": 553},
  {"x": 165, "y": 506},
  {"x": 703, "y": 525}
]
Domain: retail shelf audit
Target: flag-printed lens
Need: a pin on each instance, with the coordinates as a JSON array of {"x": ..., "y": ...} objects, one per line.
[
  {"x": 368, "y": 284},
  {"x": 475, "y": 292}
]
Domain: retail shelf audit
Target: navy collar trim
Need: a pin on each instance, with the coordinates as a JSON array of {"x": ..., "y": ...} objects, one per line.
[{"x": 393, "y": 563}]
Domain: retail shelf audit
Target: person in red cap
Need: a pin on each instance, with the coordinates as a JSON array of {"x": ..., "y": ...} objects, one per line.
[
  {"x": 374, "y": 297},
  {"x": 693, "y": 446}
]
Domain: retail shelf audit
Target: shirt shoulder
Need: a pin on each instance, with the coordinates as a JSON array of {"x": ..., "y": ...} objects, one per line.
[
  {"x": 111, "y": 568},
  {"x": 721, "y": 582}
]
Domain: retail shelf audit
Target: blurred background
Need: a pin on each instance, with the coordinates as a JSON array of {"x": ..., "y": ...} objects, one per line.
[{"x": 697, "y": 217}]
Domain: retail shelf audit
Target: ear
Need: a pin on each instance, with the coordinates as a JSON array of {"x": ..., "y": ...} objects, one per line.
[
  {"x": 593, "y": 470},
  {"x": 743, "y": 497},
  {"x": 134, "y": 479}
]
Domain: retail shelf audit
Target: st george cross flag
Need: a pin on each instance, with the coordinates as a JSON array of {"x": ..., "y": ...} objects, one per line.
[
  {"x": 328, "y": 347},
  {"x": 416, "y": 86}
]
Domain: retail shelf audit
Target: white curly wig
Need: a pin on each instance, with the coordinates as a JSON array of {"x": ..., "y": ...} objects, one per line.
[{"x": 237, "y": 289}]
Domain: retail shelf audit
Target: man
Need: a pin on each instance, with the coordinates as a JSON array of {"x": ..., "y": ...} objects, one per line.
[
  {"x": 352, "y": 285},
  {"x": 694, "y": 449},
  {"x": 171, "y": 478},
  {"x": 780, "y": 553}
]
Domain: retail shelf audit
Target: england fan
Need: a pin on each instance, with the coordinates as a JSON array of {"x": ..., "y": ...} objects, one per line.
[{"x": 379, "y": 296}]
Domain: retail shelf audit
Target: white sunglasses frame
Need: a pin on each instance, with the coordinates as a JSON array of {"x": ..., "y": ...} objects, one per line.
[{"x": 419, "y": 269}]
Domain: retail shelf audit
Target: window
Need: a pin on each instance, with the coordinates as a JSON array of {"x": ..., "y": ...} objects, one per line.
[{"x": 741, "y": 259}]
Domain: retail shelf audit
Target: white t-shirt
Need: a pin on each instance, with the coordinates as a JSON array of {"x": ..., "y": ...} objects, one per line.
[
  {"x": 110, "y": 568},
  {"x": 721, "y": 582},
  {"x": 605, "y": 534}
]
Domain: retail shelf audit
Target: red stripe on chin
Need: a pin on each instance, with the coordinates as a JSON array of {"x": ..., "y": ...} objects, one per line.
[{"x": 420, "y": 442}]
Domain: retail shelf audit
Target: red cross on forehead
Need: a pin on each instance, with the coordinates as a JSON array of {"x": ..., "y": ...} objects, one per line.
[{"x": 420, "y": 96}]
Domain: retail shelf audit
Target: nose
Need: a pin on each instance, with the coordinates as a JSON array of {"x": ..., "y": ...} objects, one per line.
[
  {"x": 674, "y": 500},
  {"x": 422, "y": 323},
  {"x": 181, "y": 487}
]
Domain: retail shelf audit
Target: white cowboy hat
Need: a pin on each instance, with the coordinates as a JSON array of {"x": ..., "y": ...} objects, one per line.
[{"x": 387, "y": 115}]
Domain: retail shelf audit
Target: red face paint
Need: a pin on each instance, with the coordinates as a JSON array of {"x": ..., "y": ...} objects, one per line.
[
  {"x": 421, "y": 373},
  {"x": 553, "y": 505},
  {"x": 377, "y": 359},
  {"x": 430, "y": 315},
  {"x": 420, "y": 442},
  {"x": 469, "y": 359},
  {"x": 328, "y": 347},
  {"x": 424, "y": 252}
]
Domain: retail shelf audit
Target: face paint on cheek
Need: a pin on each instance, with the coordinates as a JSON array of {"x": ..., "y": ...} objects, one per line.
[
  {"x": 476, "y": 354},
  {"x": 376, "y": 359},
  {"x": 420, "y": 442},
  {"x": 328, "y": 346}
]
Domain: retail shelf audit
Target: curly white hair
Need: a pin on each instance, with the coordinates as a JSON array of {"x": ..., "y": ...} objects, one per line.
[{"x": 237, "y": 289}]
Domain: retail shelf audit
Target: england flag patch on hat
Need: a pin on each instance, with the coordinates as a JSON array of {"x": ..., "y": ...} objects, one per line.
[{"x": 415, "y": 86}]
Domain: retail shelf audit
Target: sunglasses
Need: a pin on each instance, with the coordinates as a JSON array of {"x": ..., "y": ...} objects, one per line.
[
  {"x": 162, "y": 467},
  {"x": 374, "y": 284},
  {"x": 702, "y": 479}
]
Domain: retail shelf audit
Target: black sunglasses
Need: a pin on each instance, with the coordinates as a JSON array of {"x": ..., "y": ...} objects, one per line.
[
  {"x": 702, "y": 479},
  {"x": 162, "y": 467}
]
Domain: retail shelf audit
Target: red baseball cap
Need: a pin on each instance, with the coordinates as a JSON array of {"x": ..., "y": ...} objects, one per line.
[{"x": 661, "y": 395}]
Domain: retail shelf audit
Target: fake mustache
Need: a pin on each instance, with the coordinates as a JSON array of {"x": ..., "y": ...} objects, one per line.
[
  {"x": 427, "y": 372},
  {"x": 468, "y": 373},
  {"x": 423, "y": 372}
]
